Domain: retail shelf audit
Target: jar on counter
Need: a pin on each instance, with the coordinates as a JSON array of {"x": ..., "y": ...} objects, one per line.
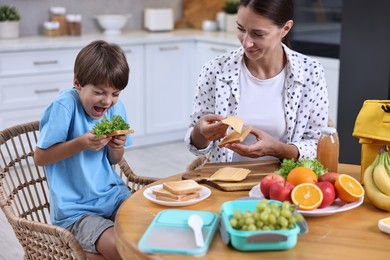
[
  {"x": 73, "y": 24},
  {"x": 58, "y": 15},
  {"x": 51, "y": 28},
  {"x": 328, "y": 149}
]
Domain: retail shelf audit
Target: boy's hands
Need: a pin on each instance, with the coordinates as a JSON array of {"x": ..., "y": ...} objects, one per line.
[
  {"x": 91, "y": 142},
  {"x": 117, "y": 142},
  {"x": 95, "y": 144}
]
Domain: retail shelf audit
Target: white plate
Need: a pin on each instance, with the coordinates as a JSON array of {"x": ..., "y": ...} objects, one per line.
[
  {"x": 337, "y": 205},
  {"x": 148, "y": 193}
]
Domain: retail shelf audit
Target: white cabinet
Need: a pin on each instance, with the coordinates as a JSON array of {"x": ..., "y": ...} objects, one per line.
[
  {"x": 133, "y": 95},
  {"x": 30, "y": 80},
  {"x": 168, "y": 89},
  {"x": 206, "y": 51}
]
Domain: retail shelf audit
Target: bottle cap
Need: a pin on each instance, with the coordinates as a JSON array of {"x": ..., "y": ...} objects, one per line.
[
  {"x": 328, "y": 130},
  {"x": 58, "y": 10},
  {"x": 73, "y": 17}
]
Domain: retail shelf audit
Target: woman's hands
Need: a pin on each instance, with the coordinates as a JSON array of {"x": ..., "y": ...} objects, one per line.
[
  {"x": 265, "y": 145},
  {"x": 208, "y": 128}
]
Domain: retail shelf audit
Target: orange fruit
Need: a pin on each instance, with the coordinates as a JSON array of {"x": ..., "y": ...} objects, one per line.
[
  {"x": 307, "y": 196},
  {"x": 300, "y": 175},
  {"x": 348, "y": 188}
]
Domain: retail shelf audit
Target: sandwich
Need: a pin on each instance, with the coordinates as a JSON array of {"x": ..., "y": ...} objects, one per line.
[
  {"x": 239, "y": 133},
  {"x": 182, "y": 187},
  {"x": 235, "y": 137},
  {"x": 117, "y": 126},
  {"x": 165, "y": 195},
  {"x": 178, "y": 191}
]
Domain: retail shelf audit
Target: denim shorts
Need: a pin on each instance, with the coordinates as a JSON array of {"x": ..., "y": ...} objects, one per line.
[{"x": 89, "y": 228}]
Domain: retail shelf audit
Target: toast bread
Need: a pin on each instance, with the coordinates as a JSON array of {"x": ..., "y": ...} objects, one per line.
[
  {"x": 235, "y": 137},
  {"x": 165, "y": 195},
  {"x": 229, "y": 174},
  {"x": 182, "y": 187},
  {"x": 235, "y": 122},
  {"x": 120, "y": 132}
]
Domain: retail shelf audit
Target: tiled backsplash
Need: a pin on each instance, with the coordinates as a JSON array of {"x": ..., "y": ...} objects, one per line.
[{"x": 35, "y": 12}]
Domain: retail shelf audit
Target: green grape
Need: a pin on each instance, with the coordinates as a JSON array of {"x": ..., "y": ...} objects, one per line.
[
  {"x": 275, "y": 211},
  {"x": 259, "y": 224},
  {"x": 272, "y": 219},
  {"x": 266, "y": 216},
  {"x": 283, "y": 222},
  {"x": 233, "y": 222},
  {"x": 286, "y": 213},
  {"x": 251, "y": 227},
  {"x": 249, "y": 221},
  {"x": 298, "y": 217},
  {"x": 237, "y": 213}
]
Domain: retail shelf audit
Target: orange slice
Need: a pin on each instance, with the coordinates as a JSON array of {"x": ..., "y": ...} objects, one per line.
[
  {"x": 348, "y": 188},
  {"x": 307, "y": 196},
  {"x": 300, "y": 175}
]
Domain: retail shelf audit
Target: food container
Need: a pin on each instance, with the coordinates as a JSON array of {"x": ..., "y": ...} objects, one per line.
[
  {"x": 170, "y": 233},
  {"x": 255, "y": 240},
  {"x": 73, "y": 24},
  {"x": 51, "y": 28}
]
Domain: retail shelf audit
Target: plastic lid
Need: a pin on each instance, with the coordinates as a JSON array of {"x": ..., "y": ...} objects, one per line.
[
  {"x": 73, "y": 17},
  {"x": 328, "y": 130},
  {"x": 58, "y": 10}
]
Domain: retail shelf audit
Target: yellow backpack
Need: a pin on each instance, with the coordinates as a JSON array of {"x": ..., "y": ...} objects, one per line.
[{"x": 372, "y": 127}]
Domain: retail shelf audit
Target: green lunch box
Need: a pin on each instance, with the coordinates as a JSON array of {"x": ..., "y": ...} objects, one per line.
[{"x": 256, "y": 240}]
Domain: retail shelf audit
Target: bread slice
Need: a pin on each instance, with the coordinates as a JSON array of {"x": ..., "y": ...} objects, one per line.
[
  {"x": 120, "y": 132},
  {"x": 229, "y": 174},
  {"x": 182, "y": 187},
  {"x": 235, "y": 137},
  {"x": 165, "y": 195},
  {"x": 235, "y": 122}
]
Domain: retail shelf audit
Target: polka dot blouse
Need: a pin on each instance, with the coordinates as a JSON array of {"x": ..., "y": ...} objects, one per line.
[{"x": 305, "y": 100}]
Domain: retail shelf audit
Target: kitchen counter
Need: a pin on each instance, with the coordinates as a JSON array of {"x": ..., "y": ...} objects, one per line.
[{"x": 130, "y": 37}]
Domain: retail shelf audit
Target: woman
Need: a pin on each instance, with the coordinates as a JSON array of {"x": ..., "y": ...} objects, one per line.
[{"x": 280, "y": 92}]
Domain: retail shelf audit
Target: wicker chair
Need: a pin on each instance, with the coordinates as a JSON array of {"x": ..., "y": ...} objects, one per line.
[{"x": 25, "y": 201}]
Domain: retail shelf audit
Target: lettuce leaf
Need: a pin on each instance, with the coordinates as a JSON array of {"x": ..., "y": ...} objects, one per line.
[
  {"x": 288, "y": 164},
  {"x": 105, "y": 126}
]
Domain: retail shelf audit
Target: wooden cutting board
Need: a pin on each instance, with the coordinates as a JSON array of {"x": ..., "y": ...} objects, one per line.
[
  {"x": 195, "y": 11},
  {"x": 259, "y": 169}
]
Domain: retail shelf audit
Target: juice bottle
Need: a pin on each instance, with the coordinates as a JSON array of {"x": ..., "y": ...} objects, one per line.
[{"x": 328, "y": 149}]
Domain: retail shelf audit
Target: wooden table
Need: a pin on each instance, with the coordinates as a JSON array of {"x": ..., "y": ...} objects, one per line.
[{"x": 352, "y": 234}]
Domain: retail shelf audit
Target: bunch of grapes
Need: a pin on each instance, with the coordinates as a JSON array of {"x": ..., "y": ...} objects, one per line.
[{"x": 267, "y": 216}]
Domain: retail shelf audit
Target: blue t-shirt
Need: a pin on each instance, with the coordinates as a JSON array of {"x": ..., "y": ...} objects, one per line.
[{"x": 84, "y": 183}]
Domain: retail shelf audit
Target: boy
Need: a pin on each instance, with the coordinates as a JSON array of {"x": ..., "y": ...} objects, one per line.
[{"x": 85, "y": 191}]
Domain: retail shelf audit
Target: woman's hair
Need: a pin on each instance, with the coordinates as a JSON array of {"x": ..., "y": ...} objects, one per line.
[
  {"x": 278, "y": 11},
  {"x": 102, "y": 63}
]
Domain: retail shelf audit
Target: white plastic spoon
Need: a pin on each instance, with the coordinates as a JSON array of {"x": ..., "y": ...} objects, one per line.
[{"x": 196, "y": 223}]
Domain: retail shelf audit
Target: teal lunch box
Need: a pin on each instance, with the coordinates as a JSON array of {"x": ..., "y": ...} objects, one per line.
[
  {"x": 256, "y": 240},
  {"x": 169, "y": 233}
]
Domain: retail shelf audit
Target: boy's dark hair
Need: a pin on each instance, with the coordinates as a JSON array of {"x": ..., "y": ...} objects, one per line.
[{"x": 102, "y": 63}]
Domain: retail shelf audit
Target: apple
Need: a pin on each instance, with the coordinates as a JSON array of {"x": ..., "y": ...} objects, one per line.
[
  {"x": 281, "y": 190},
  {"x": 267, "y": 181},
  {"x": 329, "y": 176},
  {"x": 328, "y": 193}
]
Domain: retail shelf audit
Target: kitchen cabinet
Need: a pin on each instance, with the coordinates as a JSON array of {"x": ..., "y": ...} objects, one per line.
[
  {"x": 30, "y": 80},
  {"x": 206, "y": 51},
  {"x": 168, "y": 89},
  {"x": 133, "y": 95}
]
